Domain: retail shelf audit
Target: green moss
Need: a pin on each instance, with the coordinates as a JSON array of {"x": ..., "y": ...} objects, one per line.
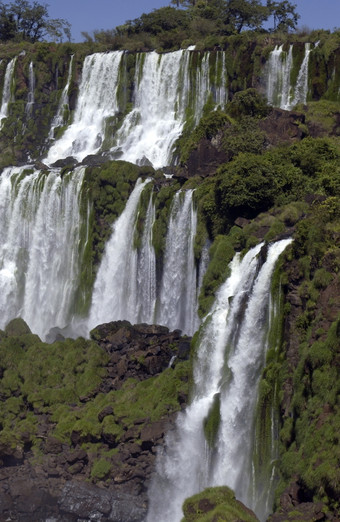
[
  {"x": 215, "y": 504},
  {"x": 100, "y": 469},
  {"x": 212, "y": 422}
]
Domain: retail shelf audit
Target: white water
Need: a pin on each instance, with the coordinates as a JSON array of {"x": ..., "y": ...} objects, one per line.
[
  {"x": 6, "y": 93},
  {"x": 31, "y": 87},
  {"x": 96, "y": 102},
  {"x": 59, "y": 118},
  {"x": 278, "y": 77},
  {"x": 126, "y": 285},
  {"x": 164, "y": 89},
  {"x": 39, "y": 247},
  {"x": 146, "y": 271},
  {"x": 177, "y": 301},
  {"x": 230, "y": 354},
  {"x": 115, "y": 288},
  {"x": 301, "y": 88},
  {"x": 279, "y": 90}
]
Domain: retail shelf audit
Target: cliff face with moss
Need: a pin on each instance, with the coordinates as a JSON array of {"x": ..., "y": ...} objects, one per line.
[{"x": 79, "y": 411}]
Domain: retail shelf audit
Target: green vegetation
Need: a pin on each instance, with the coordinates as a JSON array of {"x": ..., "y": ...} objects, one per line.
[
  {"x": 61, "y": 383},
  {"x": 217, "y": 504},
  {"x": 211, "y": 20},
  {"x": 24, "y": 21}
]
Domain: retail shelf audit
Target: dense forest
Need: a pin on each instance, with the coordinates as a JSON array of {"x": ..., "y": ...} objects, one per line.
[{"x": 84, "y": 413}]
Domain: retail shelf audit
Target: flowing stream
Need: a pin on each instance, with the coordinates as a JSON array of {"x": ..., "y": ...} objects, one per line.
[{"x": 230, "y": 354}]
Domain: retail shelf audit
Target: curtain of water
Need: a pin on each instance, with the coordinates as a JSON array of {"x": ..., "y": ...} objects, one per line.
[
  {"x": 39, "y": 252},
  {"x": 230, "y": 353}
]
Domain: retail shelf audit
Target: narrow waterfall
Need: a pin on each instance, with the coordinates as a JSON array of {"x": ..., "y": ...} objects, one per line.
[
  {"x": 6, "y": 93},
  {"x": 115, "y": 288},
  {"x": 146, "y": 271},
  {"x": 278, "y": 89},
  {"x": 301, "y": 88},
  {"x": 97, "y": 101},
  {"x": 126, "y": 285},
  {"x": 39, "y": 247},
  {"x": 31, "y": 87},
  {"x": 59, "y": 118},
  {"x": 177, "y": 301},
  {"x": 230, "y": 355}
]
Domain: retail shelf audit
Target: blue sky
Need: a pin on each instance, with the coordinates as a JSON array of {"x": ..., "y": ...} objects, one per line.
[{"x": 87, "y": 15}]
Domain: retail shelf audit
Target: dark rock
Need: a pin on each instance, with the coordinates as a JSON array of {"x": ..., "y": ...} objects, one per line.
[
  {"x": 89, "y": 502},
  {"x": 108, "y": 410},
  {"x": 92, "y": 160},
  {"x": 70, "y": 161},
  {"x": 17, "y": 327}
]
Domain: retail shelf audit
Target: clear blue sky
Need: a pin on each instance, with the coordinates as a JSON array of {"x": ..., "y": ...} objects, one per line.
[{"x": 87, "y": 15}]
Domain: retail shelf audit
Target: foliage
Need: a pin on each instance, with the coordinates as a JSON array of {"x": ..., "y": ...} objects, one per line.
[
  {"x": 168, "y": 28},
  {"x": 22, "y": 20}
]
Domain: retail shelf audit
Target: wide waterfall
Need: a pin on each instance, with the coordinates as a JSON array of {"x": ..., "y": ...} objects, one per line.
[
  {"x": 165, "y": 90},
  {"x": 126, "y": 284},
  {"x": 280, "y": 91},
  {"x": 230, "y": 354},
  {"x": 41, "y": 247}
]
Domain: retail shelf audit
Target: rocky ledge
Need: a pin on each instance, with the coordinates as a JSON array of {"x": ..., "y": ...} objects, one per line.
[{"x": 67, "y": 479}]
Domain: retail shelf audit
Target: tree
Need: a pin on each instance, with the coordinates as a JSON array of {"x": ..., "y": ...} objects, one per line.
[
  {"x": 22, "y": 20},
  {"x": 284, "y": 15}
]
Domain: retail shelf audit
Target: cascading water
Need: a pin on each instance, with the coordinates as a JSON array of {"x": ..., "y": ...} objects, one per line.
[
  {"x": 40, "y": 247},
  {"x": 59, "y": 118},
  {"x": 177, "y": 301},
  {"x": 278, "y": 77},
  {"x": 126, "y": 285},
  {"x": 279, "y": 90},
  {"x": 31, "y": 87},
  {"x": 6, "y": 93},
  {"x": 97, "y": 101},
  {"x": 164, "y": 89},
  {"x": 301, "y": 88},
  {"x": 114, "y": 293},
  {"x": 230, "y": 355}
]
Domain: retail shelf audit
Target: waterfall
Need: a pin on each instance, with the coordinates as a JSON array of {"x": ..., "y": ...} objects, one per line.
[
  {"x": 59, "y": 118},
  {"x": 164, "y": 90},
  {"x": 156, "y": 121},
  {"x": 230, "y": 355},
  {"x": 279, "y": 91},
  {"x": 278, "y": 77},
  {"x": 31, "y": 87},
  {"x": 97, "y": 101},
  {"x": 146, "y": 271},
  {"x": 115, "y": 288},
  {"x": 40, "y": 246},
  {"x": 177, "y": 301},
  {"x": 6, "y": 93},
  {"x": 126, "y": 285},
  {"x": 301, "y": 88}
]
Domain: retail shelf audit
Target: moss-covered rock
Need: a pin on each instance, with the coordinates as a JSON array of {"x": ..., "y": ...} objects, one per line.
[{"x": 216, "y": 504}]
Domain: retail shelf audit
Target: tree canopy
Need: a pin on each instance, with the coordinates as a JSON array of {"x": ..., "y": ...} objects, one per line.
[{"x": 23, "y": 20}]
